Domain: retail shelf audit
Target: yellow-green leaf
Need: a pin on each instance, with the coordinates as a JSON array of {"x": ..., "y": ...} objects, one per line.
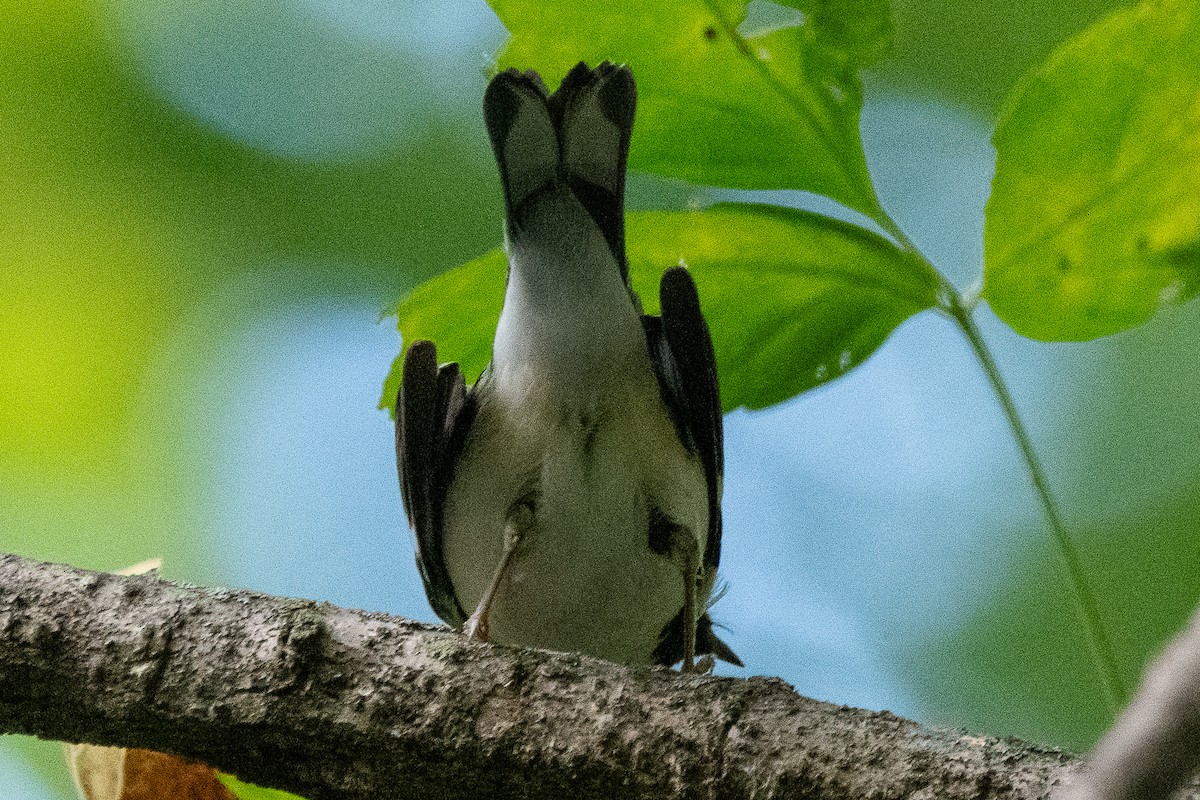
[
  {"x": 1094, "y": 220},
  {"x": 248, "y": 791}
]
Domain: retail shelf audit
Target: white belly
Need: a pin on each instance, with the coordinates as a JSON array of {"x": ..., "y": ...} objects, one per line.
[{"x": 585, "y": 578}]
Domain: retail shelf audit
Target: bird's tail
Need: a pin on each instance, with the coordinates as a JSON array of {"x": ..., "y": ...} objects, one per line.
[{"x": 577, "y": 137}]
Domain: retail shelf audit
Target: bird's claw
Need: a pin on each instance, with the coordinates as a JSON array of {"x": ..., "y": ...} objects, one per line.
[{"x": 476, "y": 627}]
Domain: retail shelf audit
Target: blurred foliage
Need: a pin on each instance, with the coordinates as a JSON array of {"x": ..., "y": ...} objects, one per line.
[
  {"x": 1131, "y": 490},
  {"x": 1021, "y": 667},
  {"x": 973, "y": 53},
  {"x": 121, "y": 214}
]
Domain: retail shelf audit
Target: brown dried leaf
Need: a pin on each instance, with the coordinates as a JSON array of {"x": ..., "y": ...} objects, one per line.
[
  {"x": 99, "y": 772},
  {"x": 157, "y": 776},
  {"x": 113, "y": 773}
]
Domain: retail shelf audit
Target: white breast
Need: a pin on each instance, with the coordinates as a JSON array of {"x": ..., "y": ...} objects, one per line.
[{"x": 585, "y": 579}]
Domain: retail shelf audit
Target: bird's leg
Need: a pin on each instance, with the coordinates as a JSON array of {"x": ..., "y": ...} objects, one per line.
[
  {"x": 683, "y": 551},
  {"x": 518, "y": 524}
]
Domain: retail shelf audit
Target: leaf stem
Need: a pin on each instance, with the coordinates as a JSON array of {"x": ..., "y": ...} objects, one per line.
[
  {"x": 1085, "y": 600},
  {"x": 960, "y": 307}
]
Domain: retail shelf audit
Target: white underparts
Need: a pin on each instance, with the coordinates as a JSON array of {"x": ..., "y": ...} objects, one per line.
[{"x": 572, "y": 416}]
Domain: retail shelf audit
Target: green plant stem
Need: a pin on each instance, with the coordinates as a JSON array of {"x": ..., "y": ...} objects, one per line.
[
  {"x": 1085, "y": 601},
  {"x": 960, "y": 311}
]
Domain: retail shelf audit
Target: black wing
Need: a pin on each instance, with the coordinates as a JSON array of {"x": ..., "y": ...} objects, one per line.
[
  {"x": 682, "y": 354},
  {"x": 433, "y": 414}
]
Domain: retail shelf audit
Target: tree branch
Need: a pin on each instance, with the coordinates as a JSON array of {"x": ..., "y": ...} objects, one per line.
[
  {"x": 329, "y": 702},
  {"x": 1154, "y": 746}
]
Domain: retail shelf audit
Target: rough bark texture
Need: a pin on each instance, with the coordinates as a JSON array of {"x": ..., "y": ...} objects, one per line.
[{"x": 328, "y": 702}]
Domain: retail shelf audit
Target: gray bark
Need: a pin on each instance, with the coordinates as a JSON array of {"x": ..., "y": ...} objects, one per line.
[{"x": 330, "y": 702}]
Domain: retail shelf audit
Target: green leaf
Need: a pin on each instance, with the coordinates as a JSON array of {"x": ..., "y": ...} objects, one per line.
[
  {"x": 458, "y": 311},
  {"x": 775, "y": 110},
  {"x": 856, "y": 32},
  {"x": 1094, "y": 220},
  {"x": 793, "y": 299},
  {"x": 248, "y": 791}
]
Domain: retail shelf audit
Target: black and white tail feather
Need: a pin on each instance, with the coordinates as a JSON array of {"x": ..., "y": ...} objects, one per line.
[{"x": 575, "y": 139}]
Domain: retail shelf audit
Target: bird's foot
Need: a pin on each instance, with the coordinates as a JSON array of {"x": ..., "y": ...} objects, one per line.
[
  {"x": 683, "y": 550},
  {"x": 476, "y": 626}
]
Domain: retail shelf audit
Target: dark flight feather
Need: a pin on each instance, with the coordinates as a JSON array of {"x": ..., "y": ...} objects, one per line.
[
  {"x": 682, "y": 354},
  {"x": 433, "y": 412}
]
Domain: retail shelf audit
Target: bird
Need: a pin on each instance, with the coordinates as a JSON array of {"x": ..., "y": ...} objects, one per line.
[{"x": 570, "y": 499}]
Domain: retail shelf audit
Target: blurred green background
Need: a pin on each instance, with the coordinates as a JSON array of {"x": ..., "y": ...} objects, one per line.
[{"x": 205, "y": 205}]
